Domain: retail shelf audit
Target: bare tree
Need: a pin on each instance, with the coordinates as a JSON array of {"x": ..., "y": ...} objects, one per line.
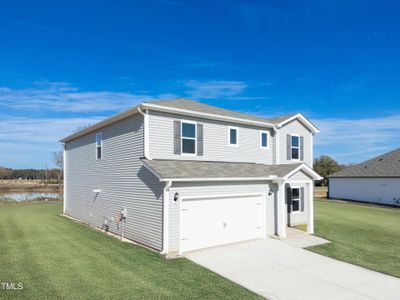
[
  {"x": 80, "y": 128},
  {"x": 58, "y": 159}
]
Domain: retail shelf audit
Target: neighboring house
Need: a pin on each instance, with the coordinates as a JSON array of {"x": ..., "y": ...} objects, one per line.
[
  {"x": 376, "y": 180},
  {"x": 191, "y": 176}
]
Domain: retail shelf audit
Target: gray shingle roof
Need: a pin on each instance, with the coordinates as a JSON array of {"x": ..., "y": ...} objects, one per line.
[
  {"x": 204, "y": 108},
  {"x": 207, "y": 169},
  {"x": 386, "y": 165}
]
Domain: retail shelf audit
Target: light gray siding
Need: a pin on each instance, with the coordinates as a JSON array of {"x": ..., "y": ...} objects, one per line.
[
  {"x": 376, "y": 190},
  {"x": 122, "y": 179},
  {"x": 295, "y": 127},
  {"x": 215, "y": 144},
  {"x": 300, "y": 176},
  {"x": 215, "y": 188}
]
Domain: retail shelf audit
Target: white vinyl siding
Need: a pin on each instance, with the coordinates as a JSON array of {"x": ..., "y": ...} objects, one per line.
[
  {"x": 122, "y": 180},
  {"x": 374, "y": 190},
  {"x": 299, "y": 176},
  {"x": 297, "y": 128},
  {"x": 215, "y": 141}
]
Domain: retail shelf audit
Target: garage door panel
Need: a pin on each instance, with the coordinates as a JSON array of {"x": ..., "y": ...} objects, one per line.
[{"x": 211, "y": 222}]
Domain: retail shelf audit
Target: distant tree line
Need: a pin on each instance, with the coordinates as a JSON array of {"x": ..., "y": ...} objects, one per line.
[{"x": 30, "y": 174}]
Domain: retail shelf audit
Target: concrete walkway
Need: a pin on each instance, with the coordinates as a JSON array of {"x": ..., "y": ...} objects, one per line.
[{"x": 280, "y": 270}]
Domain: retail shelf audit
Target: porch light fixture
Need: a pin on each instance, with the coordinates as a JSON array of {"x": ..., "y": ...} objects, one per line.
[{"x": 176, "y": 196}]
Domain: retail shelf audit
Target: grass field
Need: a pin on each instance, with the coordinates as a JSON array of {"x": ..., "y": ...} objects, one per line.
[
  {"x": 56, "y": 258},
  {"x": 362, "y": 234}
]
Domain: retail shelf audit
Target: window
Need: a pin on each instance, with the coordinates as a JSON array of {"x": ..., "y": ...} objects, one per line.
[
  {"x": 233, "y": 136},
  {"x": 99, "y": 145},
  {"x": 264, "y": 139},
  {"x": 188, "y": 138},
  {"x": 295, "y": 147},
  {"x": 295, "y": 199}
]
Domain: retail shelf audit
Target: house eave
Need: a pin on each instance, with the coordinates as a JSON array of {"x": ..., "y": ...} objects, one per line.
[
  {"x": 302, "y": 119},
  {"x": 192, "y": 113}
]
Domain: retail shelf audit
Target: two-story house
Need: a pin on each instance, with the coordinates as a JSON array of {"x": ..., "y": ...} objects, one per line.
[{"x": 179, "y": 175}]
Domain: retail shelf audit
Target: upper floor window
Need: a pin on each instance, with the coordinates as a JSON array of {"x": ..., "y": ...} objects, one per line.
[
  {"x": 99, "y": 145},
  {"x": 295, "y": 147},
  {"x": 264, "y": 139},
  {"x": 188, "y": 134},
  {"x": 233, "y": 136}
]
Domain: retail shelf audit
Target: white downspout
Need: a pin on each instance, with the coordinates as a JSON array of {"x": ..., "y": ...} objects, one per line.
[
  {"x": 146, "y": 133},
  {"x": 64, "y": 179},
  {"x": 165, "y": 216},
  {"x": 277, "y": 141}
]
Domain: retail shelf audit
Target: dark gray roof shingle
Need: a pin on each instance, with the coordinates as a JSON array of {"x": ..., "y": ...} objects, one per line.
[
  {"x": 204, "y": 108},
  {"x": 207, "y": 169},
  {"x": 386, "y": 165}
]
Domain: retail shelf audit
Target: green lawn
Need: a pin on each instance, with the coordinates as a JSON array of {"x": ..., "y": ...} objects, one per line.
[
  {"x": 56, "y": 258},
  {"x": 361, "y": 234}
]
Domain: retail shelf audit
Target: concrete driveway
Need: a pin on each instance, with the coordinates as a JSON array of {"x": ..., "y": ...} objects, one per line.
[{"x": 279, "y": 270}]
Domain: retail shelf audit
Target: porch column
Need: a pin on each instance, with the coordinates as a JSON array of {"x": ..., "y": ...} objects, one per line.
[
  {"x": 310, "y": 221},
  {"x": 281, "y": 210}
]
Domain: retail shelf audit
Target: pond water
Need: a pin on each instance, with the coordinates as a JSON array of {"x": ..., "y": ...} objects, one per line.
[{"x": 28, "y": 196}]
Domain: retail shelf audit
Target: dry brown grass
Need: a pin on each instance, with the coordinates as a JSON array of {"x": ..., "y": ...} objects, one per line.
[
  {"x": 320, "y": 191},
  {"x": 22, "y": 185}
]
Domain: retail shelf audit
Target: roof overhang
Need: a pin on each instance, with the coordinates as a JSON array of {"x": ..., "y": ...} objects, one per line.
[
  {"x": 303, "y": 167},
  {"x": 306, "y": 169},
  {"x": 302, "y": 119},
  {"x": 101, "y": 124},
  {"x": 166, "y": 109},
  {"x": 186, "y": 112}
]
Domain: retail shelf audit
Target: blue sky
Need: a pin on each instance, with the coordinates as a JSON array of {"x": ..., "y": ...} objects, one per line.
[{"x": 69, "y": 63}]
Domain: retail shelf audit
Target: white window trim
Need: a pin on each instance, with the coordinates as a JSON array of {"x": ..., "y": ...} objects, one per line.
[
  {"x": 268, "y": 139},
  {"x": 188, "y": 138},
  {"x": 101, "y": 145},
  {"x": 291, "y": 209},
  {"x": 229, "y": 136},
  {"x": 291, "y": 147}
]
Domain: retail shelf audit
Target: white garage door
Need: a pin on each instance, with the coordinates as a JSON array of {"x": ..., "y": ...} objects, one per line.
[{"x": 222, "y": 220}]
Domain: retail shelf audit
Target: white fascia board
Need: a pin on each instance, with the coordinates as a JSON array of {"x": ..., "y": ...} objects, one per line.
[
  {"x": 205, "y": 115},
  {"x": 305, "y": 168},
  {"x": 303, "y": 119},
  {"x": 219, "y": 179}
]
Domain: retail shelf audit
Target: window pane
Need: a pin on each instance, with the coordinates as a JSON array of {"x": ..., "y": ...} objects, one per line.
[
  {"x": 98, "y": 139},
  {"x": 295, "y": 141},
  {"x": 295, "y": 205},
  {"x": 295, "y": 153},
  {"x": 295, "y": 193},
  {"x": 188, "y": 146},
  {"x": 98, "y": 152},
  {"x": 264, "y": 141},
  {"x": 233, "y": 136},
  {"x": 188, "y": 130}
]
